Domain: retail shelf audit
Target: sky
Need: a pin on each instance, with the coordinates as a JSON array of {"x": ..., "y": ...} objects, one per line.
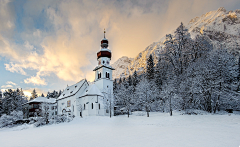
[{"x": 48, "y": 44}]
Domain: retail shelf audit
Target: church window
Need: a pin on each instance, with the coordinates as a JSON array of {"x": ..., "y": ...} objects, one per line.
[
  {"x": 99, "y": 75},
  {"x": 68, "y": 89},
  {"x": 99, "y": 106},
  {"x": 103, "y": 62},
  {"x": 63, "y": 94},
  {"x": 69, "y": 103},
  {"x": 76, "y": 86},
  {"x": 84, "y": 106},
  {"x": 108, "y": 75},
  {"x": 107, "y": 111},
  {"x": 92, "y": 105},
  {"x": 71, "y": 92}
]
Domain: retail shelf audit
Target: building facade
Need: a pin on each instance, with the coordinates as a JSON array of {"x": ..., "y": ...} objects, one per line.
[{"x": 84, "y": 99}]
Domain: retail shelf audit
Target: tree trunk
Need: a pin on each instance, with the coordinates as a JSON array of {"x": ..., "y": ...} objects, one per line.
[{"x": 128, "y": 113}]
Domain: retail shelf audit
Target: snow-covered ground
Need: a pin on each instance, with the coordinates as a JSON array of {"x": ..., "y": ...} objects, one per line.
[{"x": 158, "y": 130}]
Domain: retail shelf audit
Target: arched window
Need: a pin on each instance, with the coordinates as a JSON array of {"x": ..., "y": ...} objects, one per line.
[
  {"x": 99, "y": 106},
  {"x": 92, "y": 105},
  {"x": 99, "y": 75},
  {"x": 84, "y": 106},
  {"x": 107, "y": 75}
]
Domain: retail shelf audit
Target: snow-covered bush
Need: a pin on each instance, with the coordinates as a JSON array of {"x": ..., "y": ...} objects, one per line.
[
  {"x": 194, "y": 112},
  {"x": 10, "y": 120},
  {"x": 40, "y": 121}
]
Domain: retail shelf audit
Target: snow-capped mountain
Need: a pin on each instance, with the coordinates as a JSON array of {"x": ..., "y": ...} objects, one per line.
[
  {"x": 219, "y": 26},
  {"x": 120, "y": 65}
]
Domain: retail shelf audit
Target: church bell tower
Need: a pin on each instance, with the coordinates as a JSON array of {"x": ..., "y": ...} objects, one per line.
[{"x": 103, "y": 72}]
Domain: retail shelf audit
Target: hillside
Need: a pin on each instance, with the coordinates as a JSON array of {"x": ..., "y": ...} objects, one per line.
[{"x": 220, "y": 26}]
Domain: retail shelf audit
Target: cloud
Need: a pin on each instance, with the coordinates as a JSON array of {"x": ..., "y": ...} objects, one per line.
[
  {"x": 62, "y": 37},
  {"x": 14, "y": 68},
  {"x": 6, "y": 86},
  {"x": 11, "y": 83},
  {"x": 35, "y": 80}
]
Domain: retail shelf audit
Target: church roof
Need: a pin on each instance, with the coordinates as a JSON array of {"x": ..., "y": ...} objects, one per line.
[
  {"x": 109, "y": 67},
  {"x": 43, "y": 100},
  {"x": 72, "y": 90},
  {"x": 92, "y": 90}
]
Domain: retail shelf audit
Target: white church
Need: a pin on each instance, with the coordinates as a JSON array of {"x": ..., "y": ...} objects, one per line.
[{"x": 84, "y": 99}]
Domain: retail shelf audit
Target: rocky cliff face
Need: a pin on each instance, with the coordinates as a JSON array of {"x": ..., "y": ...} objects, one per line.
[
  {"x": 220, "y": 26},
  {"x": 120, "y": 65}
]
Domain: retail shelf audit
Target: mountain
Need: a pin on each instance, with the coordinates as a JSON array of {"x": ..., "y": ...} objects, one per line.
[
  {"x": 120, "y": 65},
  {"x": 219, "y": 26}
]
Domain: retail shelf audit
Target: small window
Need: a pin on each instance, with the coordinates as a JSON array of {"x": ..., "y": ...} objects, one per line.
[
  {"x": 71, "y": 92},
  {"x": 99, "y": 106},
  {"x": 68, "y": 89},
  {"x": 92, "y": 105},
  {"x": 86, "y": 90},
  {"x": 107, "y": 111},
  {"x": 76, "y": 86},
  {"x": 63, "y": 94},
  {"x": 84, "y": 106}
]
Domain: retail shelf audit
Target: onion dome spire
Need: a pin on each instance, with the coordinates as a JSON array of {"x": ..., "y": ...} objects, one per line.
[{"x": 104, "y": 42}]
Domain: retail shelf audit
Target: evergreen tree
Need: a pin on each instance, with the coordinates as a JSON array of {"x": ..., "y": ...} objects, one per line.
[
  {"x": 1, "y": 108},
  {"x": 34, "y": 94},
  {"x": 42, "y": 95},
  {"x": 115, "y": 86},
  {"x": 60, "y": 92},
  {"x": 129, "y": 80},
  {"x": 150, "y": 68},
  {"x": 120, "y": 81},
  {"x": 135, "y": 79},
  {"x": 157, "y": 74}
]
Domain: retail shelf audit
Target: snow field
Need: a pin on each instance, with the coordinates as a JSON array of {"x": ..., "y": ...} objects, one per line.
[{"x": 158, "y": 130}]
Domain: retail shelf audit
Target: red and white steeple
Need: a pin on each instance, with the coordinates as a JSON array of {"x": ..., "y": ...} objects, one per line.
[{"x": 103, "y": 72}]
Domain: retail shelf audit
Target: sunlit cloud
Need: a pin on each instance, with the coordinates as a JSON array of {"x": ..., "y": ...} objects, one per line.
[{"x": 36, "y": 80}]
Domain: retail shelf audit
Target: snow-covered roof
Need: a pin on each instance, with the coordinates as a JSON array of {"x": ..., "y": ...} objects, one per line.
[
  {"x": 107, "y": 66},
  {"x": 43, "y": 100},
  {"x": 72, "y": 90},
  {"x": 92, "y": 90}
]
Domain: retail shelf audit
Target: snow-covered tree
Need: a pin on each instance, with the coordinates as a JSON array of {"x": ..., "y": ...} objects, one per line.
[
  {"x": 150, "y": 68},
  {"x": 33, "y": 94},
  {"x": 146, "y": 94},
  {"x": 124, "y": 98},
  {"x": 109, "y": 102}
]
